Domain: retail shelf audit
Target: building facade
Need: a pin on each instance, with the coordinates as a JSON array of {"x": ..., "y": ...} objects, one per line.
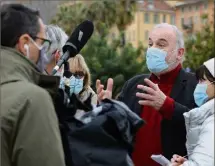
[
  {"x": 189, "y": 15},
  {"x": 149, "y": 13}
]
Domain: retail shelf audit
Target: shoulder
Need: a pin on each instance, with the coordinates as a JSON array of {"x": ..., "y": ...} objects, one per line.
[
  {"x": 209, "y": 123},
  {"x": 35, "y": 92},
  {"x": 89, "y": 91},
  {"x": 23, "y": 98},
  {"x": 33, "y": 95},
  {"x": 190, "y": 77}
]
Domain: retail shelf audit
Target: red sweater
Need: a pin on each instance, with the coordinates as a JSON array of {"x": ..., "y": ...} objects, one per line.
[{"x": 148, "y": 138}]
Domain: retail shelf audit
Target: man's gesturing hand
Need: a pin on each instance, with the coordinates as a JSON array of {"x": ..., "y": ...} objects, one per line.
[
  {"x": 101, "y": 93},
  {"x": 152, "y": 95}
]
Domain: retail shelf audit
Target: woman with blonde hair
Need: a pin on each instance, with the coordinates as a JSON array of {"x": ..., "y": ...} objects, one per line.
[
  {"x": 80, "y": 70},
  {"x": 77, "y": 77}
]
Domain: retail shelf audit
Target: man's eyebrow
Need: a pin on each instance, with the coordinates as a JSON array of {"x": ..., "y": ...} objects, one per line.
[{"x": 163, "y": 40}]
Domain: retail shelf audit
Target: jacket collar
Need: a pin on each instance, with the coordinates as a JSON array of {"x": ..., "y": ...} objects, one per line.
[
  {"x": 167, "y": 78},
  {"x": 16, "y": 67},
  {"x": 200, "y": 114},
  {"x": 179, "y": 84}
]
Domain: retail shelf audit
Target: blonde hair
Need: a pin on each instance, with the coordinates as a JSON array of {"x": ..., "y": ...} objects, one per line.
[{"x": 78, "y": 63}]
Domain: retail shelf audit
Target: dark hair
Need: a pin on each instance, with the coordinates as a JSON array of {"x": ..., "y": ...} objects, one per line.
[
  {"x": 16, "y": 20},
  {"x": 203, "y": 71}
]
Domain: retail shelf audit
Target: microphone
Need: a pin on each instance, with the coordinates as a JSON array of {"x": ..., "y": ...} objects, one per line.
[{"x": 75, "y": 43}]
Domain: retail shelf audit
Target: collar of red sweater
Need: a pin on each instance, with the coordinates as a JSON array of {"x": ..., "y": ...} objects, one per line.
[{"x": 167, "y": 78}]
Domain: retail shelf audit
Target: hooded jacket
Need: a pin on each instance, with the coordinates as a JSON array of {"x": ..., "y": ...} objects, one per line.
[{"x": 29, "y": 127}]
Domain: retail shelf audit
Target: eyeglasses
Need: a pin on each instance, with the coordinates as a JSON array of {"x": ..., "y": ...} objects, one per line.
[
  {"x": 46, "y": 43},
  {"x": 77, "y": 74}
]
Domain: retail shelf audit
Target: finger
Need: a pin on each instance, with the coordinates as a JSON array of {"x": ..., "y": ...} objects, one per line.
[
  {"x": 101, "y": 95},
  {"x": 145, "y": 96},
  {"x": 174, "y": 164},
  {"x": 175, "y": 156},
  {"x": 148, "y": 90},
  {"x": 145, "y": 102},
  {"x": 110, "y": 85},
  {"x": 100, "y": 88},
  {"x": 180, "y": 159},
  {"x": 172, "y": 160},
  {"x": 98, "y": 82},
  {"x": 151, "y": 84}
]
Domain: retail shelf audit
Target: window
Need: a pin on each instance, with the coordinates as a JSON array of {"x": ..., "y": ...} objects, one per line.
[
  {"x": 197, "y": 7},
  {"x": 196, "y": 19},
  {"x": 190, "y": 8},
  {"x": 182, "y": 9},
  {"x": 190, "y": 20},
  {"x": 146, "y": 35},
  {"x": 172, "y": 20},
  {"x": 164, "y": 18},
  {"x": 205, "y": 5},
  {"x": 146, "y": 17},
  {"x": 204, "y": 20},
  {"x": 156, "y": 18},
  {"x": 182, "y": 21}
]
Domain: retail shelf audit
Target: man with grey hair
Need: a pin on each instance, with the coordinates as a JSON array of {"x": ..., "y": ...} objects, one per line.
[
  {"x": 58, "y": 38},
  {"x": 160, "y": 98}
]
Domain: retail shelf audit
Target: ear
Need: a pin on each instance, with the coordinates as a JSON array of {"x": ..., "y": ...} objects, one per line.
[
  {"x": 57, "y": 55},
  {"x": 180, "y": 53},
  {"x": 23, "y": 44}
]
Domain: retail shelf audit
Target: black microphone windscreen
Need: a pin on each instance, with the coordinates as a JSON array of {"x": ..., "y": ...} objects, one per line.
[{"x": 79, "y": 38}]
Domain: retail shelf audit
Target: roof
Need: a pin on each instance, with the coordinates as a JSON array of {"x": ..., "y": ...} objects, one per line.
[
  {"x": 156, "y": 5},
  {"x": 179, "y": 4}
]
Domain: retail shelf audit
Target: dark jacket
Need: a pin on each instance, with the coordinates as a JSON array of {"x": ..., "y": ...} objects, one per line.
[
  {"x": 99, "y": 140},
  {"x": 173, "y": 132},
  {"x": 30, "y": 133}
]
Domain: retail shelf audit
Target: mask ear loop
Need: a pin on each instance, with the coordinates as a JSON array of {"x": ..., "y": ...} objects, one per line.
[{"x": 26, "y": 47}]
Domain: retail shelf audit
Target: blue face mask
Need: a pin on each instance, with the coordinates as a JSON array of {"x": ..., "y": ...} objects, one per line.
[
  {"x": 155, "y": 60},
  {"x": 200, "y": 94},
  {"x": 43, "y": 60},
  {"x": 75, "y": 84}
]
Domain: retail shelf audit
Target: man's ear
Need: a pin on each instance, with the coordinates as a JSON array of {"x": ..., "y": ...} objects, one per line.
[
  {"x": 57, "y": 56},
  {"x": 180, "y": 53},
  {"x": 22, "y": 44}
]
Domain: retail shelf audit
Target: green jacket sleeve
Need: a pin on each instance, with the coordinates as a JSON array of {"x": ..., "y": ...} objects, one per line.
[{"x": 37, "y": 141}]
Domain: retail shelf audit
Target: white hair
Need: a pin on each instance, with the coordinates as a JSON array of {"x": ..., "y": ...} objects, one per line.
[
  {"x": 179, "y": 34},
  {"x": 57, "y": 36}
]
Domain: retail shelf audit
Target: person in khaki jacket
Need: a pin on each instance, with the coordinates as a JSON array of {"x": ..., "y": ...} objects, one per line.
[{"x": 29, "y": 127}]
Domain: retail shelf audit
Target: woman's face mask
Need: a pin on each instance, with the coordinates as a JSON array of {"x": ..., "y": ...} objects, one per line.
[
  {"x": 200, "y": 93},
  {"x": 75, "y": 84}
]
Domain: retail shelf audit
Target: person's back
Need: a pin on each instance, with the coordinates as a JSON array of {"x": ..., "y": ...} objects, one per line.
[{"x": 29, "y": 127}]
